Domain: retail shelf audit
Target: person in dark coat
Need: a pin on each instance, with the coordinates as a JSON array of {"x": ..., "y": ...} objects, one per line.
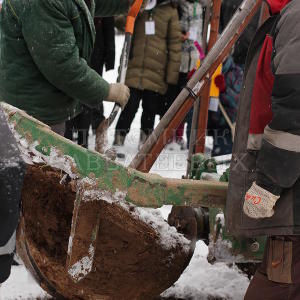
[
  {"x": 264, "y": 184},
  {"x": 228, "y": 9},
  {"x": 230, "y": 85},
  {"x": 103, "y": 55},
  {"x": 12, "y": 171},
  {"x": 233, "y": 69}
]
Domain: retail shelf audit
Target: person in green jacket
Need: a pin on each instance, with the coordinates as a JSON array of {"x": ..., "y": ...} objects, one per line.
[{"x": 45, "y": 50}]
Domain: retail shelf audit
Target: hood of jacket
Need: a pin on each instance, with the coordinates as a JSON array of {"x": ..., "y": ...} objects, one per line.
[{"x": 277, "y": 5}]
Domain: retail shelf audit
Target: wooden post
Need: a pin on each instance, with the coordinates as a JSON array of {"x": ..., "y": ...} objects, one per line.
[
  {"x": 205, "y": 97},
  {"x": 193, "y": 135},
  {"x": 264, "y": 13},
  {"x": 206, "y": 23}
]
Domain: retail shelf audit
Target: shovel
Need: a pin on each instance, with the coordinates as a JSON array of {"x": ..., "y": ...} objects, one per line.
[{"x": 105, "y": 124}]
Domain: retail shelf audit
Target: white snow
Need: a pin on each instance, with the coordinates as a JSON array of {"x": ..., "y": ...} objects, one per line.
[
  {"x": 21, "y": 286},
  {"x": 83, "y": 267},
  {"x": 200, "y": 280},
  {"x": 55, "y": 159},
  {"x": 168, "y": 236}
]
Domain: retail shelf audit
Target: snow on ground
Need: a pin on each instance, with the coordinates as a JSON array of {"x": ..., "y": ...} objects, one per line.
[
  {"x": 199, "y": 281},
  {"x": 21, "y": 285}
]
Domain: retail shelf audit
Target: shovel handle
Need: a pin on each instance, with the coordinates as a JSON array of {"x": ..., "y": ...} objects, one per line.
[
  {"x": 130, "y": 21},
  {"x": 132, "y": 14}
]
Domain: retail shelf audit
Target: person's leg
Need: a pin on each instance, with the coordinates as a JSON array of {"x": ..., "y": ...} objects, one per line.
[
  {"x": 97, "y": 116},
  {"x": 151, "y": 104},
  {"x": 278, "y": 277},
  {"x": 69, "y": 130},
  {"x": 83, "y": 122},
  {"x": 5, "y": 263},
  {"x": 168, "y": 99},
  {"x": 222, "y": 142},
  {"x": 70, "y": 127},
  {"x": 179, "y": 132},
  {"x": 189, "y": 119},
  {"x": 127, "y": 116},
  {"x": 261, "y": 288}
]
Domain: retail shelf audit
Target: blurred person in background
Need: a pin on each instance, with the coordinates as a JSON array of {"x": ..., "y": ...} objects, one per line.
[
  {"x": 230, "y": 85},
  {"x": 191, "y": 22},
  {"x": 241, "y": 47},
  {"x": 230, "y": 82},
  {"x": 154, "y": 64}
]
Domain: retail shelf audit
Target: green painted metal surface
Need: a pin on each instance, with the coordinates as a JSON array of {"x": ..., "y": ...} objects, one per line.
[
  {"x": 243, "y": 249},
  {"x": 147, "y": 190}
]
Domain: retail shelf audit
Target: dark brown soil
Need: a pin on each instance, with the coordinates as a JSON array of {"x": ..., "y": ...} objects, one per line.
[{"x": 129, "y": 263}]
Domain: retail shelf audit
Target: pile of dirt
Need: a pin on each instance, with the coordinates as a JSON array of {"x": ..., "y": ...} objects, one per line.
[{"x": 129, "y": 262}]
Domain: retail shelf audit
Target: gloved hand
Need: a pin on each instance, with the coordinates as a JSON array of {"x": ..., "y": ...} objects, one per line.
[
  {"x": 118, "y": 93},
  {"x": 259, "y": 202},
  {"x": 220, "y": 83}
]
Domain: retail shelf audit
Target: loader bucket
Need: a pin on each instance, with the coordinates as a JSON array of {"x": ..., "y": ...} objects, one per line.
[{"x": 83, "y": 233}]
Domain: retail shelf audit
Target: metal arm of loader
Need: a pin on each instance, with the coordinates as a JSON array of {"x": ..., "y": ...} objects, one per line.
[{"x": 147, "y": 190}]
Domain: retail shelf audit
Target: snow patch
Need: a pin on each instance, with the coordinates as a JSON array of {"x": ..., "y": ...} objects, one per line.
[
  {"x": 202, "y": 280},
  {"x": 89, "y": 191},
  {"x": 70, "y": 245},
  {"x": 21, "y": 285},
  {"x": 220, "y": 219},
  {"x": 55, "y": 159},
  {"x": 83, "y": 267},
  {"x": 221, "y": 250},
  {"x": 168, "y": 236}
]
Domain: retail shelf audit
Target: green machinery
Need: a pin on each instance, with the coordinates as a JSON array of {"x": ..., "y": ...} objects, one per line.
[{"x": 145, "y": 190}]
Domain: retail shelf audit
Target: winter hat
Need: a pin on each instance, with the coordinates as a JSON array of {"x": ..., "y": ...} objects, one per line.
[{"x": 277, "y": 5}]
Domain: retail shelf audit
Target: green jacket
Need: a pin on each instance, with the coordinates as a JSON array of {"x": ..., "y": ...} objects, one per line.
[
  {"x": 45, "y": 48},
  {"x": 155, "y": 59}
]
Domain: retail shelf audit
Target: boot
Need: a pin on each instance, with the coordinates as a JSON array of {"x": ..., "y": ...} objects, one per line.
[{"x": 119, "y": 139}]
